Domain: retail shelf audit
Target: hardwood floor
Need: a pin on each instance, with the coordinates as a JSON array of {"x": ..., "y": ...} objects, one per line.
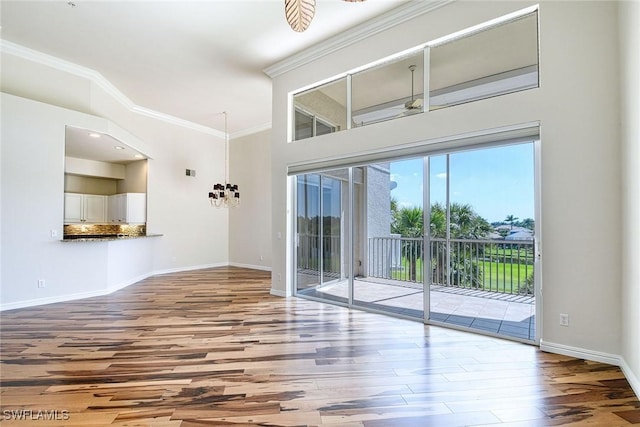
[{"x": 213, "y": 348}]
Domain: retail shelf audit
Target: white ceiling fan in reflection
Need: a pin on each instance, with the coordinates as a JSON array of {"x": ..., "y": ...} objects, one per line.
[{"x": 414, "y": 105}]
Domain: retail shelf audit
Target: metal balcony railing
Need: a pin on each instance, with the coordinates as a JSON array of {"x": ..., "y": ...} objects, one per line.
[
  {"x": 504, "y": 266},
  {"x": 308, "y": 254}
]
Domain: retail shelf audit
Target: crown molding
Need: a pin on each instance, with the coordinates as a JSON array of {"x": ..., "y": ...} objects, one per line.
[
  {"x": 394, "y": 17},
  {"x": 251, "y": 130},
  {"x": 100, "y": 81}
]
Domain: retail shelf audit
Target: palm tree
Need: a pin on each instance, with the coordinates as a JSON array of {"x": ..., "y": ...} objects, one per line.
[
  {"x": 438, "y": 221},
  {"x": 465, "y": 223},
  {"x": 510, "y": 219},
  {"x": 409, "y": 223},
  {"x": 439, "y": 247},
  {"x": 394, "y": 213},
  {"x": 528, "y": 223}
]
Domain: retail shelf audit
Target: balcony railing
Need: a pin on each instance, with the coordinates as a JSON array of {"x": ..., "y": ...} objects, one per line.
[
  {"x": 504, "y": 266},
  {"x": 308, "y": 251}
]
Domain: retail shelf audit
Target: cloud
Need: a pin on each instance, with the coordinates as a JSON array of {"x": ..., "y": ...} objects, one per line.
[{"x": 441, "y": 175}]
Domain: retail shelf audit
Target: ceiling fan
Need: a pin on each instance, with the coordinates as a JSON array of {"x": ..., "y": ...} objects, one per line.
[
  {"x": 414, "y": 105},
  {"x": 299, "y": 13}
]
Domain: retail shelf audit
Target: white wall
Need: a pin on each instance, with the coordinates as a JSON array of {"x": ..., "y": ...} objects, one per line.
[
  {"x": 630, "y": 117},
  {"x": 577, "y": 107},
  {"x": 250, "y": 223},
  {"x": 194, "y": 234},
  {"x": 94, "y": 168},
  {"x": 135, "y": 180},
  {"x": 89, "y": 185},
  {"x": 32, "y": 180}
]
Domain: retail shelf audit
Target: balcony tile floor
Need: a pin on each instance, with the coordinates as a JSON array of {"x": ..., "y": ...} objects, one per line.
[{"x": 509, "y": 315}]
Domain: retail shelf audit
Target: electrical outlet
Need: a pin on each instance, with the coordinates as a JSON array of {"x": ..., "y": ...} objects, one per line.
[
  {"x": 564, "y": 319},
  {"x": 54, "y": 232},
  {"x": 41, "y": 283}
]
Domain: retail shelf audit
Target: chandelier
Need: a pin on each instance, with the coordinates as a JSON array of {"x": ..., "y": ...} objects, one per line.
[
  {"x": 225, "y": 195},
  {"x": 299, "y": 13}
]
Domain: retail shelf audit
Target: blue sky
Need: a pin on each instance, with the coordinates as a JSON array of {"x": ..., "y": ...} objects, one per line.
[{"x": 496, "y": 181}]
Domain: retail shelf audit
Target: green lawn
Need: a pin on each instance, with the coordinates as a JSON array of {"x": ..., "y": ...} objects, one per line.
[
  {"x": 521, "y": 255},
  {"x": 505, "y": 277},
  {"x": 497, "y": 276}
]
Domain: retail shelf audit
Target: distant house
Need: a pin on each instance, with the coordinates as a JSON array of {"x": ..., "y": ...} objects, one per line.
[
  {"x": 511, "y": 233},
  {"x": 520, "y": 234}
]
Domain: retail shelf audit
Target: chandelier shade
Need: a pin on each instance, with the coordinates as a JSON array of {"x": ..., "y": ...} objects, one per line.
[
  {"x": 226, "y": 194},
  {"x": 299, "y": 13}
]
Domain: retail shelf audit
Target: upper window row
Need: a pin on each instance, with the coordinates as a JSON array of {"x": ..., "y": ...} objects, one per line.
[{"x": 499, "y": 59}]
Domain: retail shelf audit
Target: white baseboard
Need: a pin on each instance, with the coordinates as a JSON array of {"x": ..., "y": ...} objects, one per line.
[
  {"x": 633, "y": 379},
  {"x": 189, "y": 268},
  {"x": 250, "y": 266},
  {"x": 596, "y": 356},
  {"x": 580, "y": 353},
  {"x": 51, "y": 300},
  {"x": 278, "y": 293},
  {"x": 126, "y": 283},
  {"x": 101, "y": 292}
]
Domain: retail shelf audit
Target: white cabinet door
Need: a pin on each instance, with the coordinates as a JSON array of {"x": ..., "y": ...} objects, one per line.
[
  {"x": 95, "y": 208},
  {"x": 73, "y": 208},
  {"x": 136, "y": 209},
  {"x": 112, "y": 208},
  {"x": 128, "y": 208},
  {"x": 84, "y": 208},
  {"x": 116, "y": 209}
]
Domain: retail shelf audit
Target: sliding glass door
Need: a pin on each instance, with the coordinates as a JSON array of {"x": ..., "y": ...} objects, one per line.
[
  {"x": 482, "y": 239},
  {"x": 361, "y": 238},
  {"x": 393, "y": 245},
  {"x": 321, "y": 263}
]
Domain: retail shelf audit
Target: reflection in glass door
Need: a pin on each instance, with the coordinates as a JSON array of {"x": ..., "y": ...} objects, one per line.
[{"x": 320, "y": 235}]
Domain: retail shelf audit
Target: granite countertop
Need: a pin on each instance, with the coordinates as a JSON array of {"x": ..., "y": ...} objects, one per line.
[{"x": 104, "y": 237}]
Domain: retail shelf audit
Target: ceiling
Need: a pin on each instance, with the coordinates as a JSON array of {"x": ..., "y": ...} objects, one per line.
[
  {"x": 188, "y": 59},
  {"x": 102, "y": 147}
]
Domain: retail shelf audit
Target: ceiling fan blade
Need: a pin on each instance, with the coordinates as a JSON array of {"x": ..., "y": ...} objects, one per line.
[
  {"x": 414, "y": 104},
  {"x": 299, "y": 13}
]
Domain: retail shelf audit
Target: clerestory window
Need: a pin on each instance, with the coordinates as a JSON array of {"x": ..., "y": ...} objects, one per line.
[
  {"x": 308, "y": 125},
  {"x": 488, "y": 60}
]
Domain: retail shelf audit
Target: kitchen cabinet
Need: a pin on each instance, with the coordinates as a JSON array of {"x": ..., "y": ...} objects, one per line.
[
  {"x": 84, "y": 208},
  {"x": 127, "y": 208}
]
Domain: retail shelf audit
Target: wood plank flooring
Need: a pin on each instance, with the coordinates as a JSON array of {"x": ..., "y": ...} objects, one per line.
[{"x": 213, "y": 348}]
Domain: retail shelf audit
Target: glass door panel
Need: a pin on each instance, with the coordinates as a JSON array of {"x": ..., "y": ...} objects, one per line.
[
  {"x": 391, "y": 216},
  {"x": 438, "y": 243},
  {"x": 332, "y": 261},
  {"x": 368, "y": 222},
  {"x": 307, "y": 229},
  {"x": 321, "y": 245},
  {"x": 483, "y": 257}
]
